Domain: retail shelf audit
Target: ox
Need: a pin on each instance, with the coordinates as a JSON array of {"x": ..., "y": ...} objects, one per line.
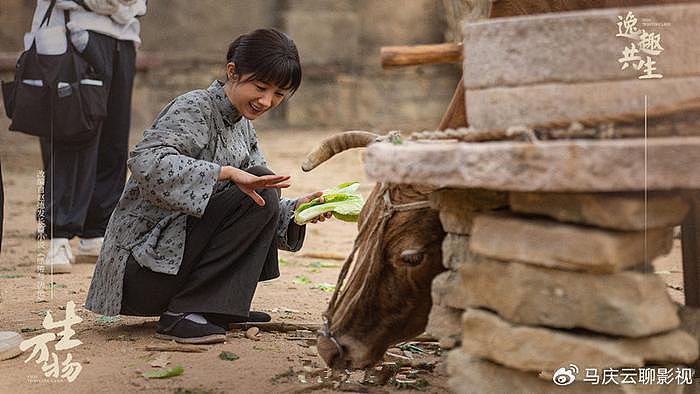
[{"x": 399, "y": 251}]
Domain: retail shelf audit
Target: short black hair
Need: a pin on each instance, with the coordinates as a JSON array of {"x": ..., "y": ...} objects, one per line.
[{"x": 269, "y": 55}]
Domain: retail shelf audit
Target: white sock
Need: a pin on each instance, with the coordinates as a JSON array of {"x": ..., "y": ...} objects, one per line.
[{"x": 194, "y": 317}]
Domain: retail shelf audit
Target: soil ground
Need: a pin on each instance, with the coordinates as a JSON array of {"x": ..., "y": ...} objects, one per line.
[{"x": 113, "y": 354}]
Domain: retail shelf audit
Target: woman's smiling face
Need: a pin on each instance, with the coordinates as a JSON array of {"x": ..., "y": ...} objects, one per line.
[{"x": 253, "y": 98}]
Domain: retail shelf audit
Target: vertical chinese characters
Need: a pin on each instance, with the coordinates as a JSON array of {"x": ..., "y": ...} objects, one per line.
[
  {"x": 67, "y": 369},
  {"x": 640, "y": 54},
  {"x": 41, "y": 234}
]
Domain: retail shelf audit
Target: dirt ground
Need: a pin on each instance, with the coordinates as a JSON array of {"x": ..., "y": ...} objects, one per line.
[{"x": 113, "y": 354}]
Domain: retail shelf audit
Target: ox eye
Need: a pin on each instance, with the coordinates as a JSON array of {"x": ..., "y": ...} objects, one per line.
[{"x": 412, "y": 257}]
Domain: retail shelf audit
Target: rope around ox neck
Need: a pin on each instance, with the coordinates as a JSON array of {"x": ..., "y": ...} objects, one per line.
[{"x": 374, "y": 251}]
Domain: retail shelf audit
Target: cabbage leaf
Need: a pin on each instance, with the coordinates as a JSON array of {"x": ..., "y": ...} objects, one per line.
[{"x": 343, "y": 200}]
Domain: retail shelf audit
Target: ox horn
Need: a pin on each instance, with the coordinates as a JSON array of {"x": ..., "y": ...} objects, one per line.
[{"x": 335, "y": 144}]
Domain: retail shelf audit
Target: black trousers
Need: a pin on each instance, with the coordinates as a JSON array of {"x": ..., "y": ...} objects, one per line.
[
  {"x": 83, "y": 183},
  {"x": 227, "y": 252}
]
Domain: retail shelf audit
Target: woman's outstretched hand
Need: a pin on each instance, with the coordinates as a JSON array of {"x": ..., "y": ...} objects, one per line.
[
  {"x": 248, "y": 182},
  {"x": 305, "y": 199}
]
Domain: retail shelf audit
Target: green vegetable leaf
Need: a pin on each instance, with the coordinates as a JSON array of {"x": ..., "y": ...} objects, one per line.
[
  {"x": 301, "y": 279},
  {"x": 164, "y": 373},
  {"x": 321, "y": 264},
  {"x": 325, "y": 287},
  {"x": 412, "y": 348},
  {"x": 345, "y": 218},
  {"x": 107, "y": 319},
  {"x": 228, "y": 356},
  {"x": 343, "y": 200}
]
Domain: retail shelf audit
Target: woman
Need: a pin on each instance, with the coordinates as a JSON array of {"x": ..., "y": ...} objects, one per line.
[{"x": 201, "y": 218}]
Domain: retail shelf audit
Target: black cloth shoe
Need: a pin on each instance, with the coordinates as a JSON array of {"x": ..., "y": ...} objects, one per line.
[
  {"x": 179, "y": 329},
  {"x": 224, "y": 321}
]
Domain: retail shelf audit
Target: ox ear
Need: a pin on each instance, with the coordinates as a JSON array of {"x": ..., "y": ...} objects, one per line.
[{"x": 411, "y": 257}]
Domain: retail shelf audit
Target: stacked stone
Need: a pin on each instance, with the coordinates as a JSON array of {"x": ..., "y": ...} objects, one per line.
[
  {"x": 549, "y": 244},
  {"x": 559, "y": 278}
]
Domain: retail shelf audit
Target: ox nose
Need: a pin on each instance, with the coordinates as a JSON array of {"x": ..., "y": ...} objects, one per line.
[{"x": 330, "y": 353}]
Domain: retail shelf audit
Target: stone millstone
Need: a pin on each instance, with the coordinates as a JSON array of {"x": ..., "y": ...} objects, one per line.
[
  {"x": 558, "y": 104},
  {"x": 445, "y": 323},
  {"x": 556, "y": 166},
  {"x": 470, "y": 375},
  {"x": 458, "y": 207},
  {"x": 629, "y": 304},
  {"x": 566, "y": 246},
  {"x": 615, "y": 211},
  {"x": 488, "y": 336},
  {"x": 497, "y": 51}
]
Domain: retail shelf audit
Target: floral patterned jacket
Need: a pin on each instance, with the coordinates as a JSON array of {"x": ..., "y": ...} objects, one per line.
[{"x": 174, "y": 171}]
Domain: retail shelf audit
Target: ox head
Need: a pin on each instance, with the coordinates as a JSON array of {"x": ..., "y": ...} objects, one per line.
[{"x": 385, "y": 297}]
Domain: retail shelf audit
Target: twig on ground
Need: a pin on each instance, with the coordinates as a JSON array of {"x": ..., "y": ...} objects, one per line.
[
  {"x": 323, "y": 255},
  {"x": 276, "y": 327},
  {"x": 177, "y": 348}
]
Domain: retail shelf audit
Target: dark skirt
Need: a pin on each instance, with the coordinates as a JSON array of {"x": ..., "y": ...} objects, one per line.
[{"x": 227, "y": 251}]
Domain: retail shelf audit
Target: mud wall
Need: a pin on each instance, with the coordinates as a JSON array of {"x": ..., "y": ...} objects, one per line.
[{"x": 344, "y": 86}]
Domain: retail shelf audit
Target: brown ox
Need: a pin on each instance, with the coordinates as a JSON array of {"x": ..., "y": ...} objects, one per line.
[
  {"x": 386, "y": 298},
  {"x": 398, "y": 249}
]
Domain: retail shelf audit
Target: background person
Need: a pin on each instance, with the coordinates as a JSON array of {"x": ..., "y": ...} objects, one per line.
[{"x": 83, "y": 183}]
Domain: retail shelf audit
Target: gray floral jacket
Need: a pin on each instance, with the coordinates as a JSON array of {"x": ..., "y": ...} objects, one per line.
[{"x": 174, "y": 171}]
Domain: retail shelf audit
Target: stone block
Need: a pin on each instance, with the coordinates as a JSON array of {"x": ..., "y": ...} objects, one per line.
[
  {"x": 526, "y": 348},
  {"x": 455, "y": 251},
  {"x": 557, "y": 166},
  {"x": 445, "y": 324},
  {"x": 557, "y": 103},
  {"x": 458, "y": 206},
  {"x": 404, "y": 23},
  {"x": 318, "y": 35},
  {"x": 408, "y": 91},
  {"x": 574, "y": 46},
  {"x": 202, "y": 29},
  {"x": 629, "y": 304},
  {"x": 566, "y": 246},
  {"x": 446, "y": 290},
  {"x": 471, "y": 375},
  {"x": 618, "y": 211}
]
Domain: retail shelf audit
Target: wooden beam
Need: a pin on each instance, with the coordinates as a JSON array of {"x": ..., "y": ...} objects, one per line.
[{"x": 412, "y": 55}]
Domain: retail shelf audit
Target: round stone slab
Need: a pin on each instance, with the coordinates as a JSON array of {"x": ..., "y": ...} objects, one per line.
[
  {"x": 571, "y": 165},
  {"x": 9, "y": 344}
]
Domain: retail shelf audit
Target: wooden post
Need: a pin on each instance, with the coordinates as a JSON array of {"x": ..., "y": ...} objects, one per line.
[
  {"x": 456, "y": 114},
  {"x": 690, "y": 238},
  {"x": 690, "y": 242}
]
